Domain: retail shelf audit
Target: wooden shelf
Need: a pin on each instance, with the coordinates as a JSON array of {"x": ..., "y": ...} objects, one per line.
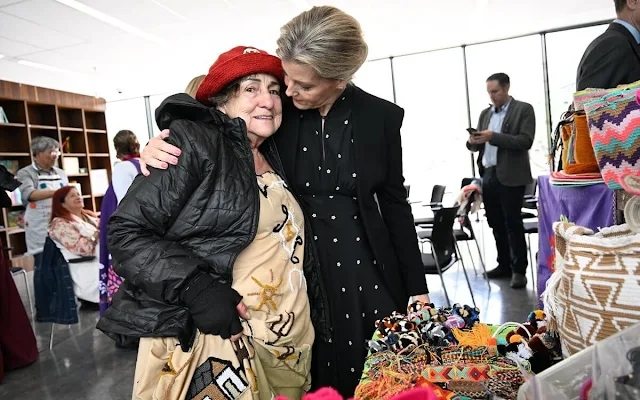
[
  {"x": 76, "y": 121},
  {"x": 43, "y": 127},
  {"x": 98, "y": 195},
  {"x": 12, "y": 125},
  {"x": 12, "y": 230}
]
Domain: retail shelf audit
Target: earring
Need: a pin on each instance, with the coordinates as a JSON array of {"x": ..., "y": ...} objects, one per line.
[{"x": 340, "y": 87}]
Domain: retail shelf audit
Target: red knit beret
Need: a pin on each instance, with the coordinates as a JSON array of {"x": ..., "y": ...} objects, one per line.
[{"x": 234, "y": 64}]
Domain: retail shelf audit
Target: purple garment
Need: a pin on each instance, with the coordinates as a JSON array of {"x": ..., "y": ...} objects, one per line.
[
  {"x": 109, "y": 280},
  {"x": 588, "y": 206}
]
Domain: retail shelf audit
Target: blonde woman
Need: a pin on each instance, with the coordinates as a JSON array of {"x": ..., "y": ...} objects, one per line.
[
  {"x": 340, "y": 148},
  {"x": 194, "y": 84}
]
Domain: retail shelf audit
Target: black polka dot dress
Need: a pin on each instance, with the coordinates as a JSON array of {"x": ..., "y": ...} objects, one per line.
[{"x": 326, "y": 181}]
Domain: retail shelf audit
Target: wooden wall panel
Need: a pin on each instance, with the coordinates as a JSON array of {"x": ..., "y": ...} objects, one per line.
[{"x": 34, "y": 94}]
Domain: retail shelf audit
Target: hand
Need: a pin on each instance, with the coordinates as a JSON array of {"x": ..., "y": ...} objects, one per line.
[
  {"x": 158, "y": 153},
  {"x": 244, "y": 314},
  {"x": 213, "y": 306},
  {"x": 481, "y": 137},
  {"x": 424, "y": 298}
]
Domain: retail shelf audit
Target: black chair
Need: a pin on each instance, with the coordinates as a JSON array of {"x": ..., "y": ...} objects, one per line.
[
  {"x": 530, "y": 228},
  {"x": 466, "y": 234},
  {"x": 437, "y": 194},
  {"x": 444, "y": 249},
  {"x": 530, "y": 201}
]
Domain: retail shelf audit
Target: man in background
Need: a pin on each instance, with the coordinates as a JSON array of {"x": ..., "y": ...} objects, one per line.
[
  {"x": 38, "y": 182},
  {"x": 504, "y": 136},
  {"x": 613, "y": 58}
]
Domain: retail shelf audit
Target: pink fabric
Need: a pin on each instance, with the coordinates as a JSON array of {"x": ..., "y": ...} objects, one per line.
[{"x": 331, "y": 394}]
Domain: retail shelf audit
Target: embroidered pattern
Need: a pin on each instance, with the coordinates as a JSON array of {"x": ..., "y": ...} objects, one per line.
[
  {"x": 267, "y": 294},
  {"x": 282, "y": 327},
  {"x": 216, "y": 379}
]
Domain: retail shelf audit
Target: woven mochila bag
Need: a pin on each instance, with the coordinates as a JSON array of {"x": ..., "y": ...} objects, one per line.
[
  {"x": 595, "y": 289},
  {"x": 614, "y": 126}
]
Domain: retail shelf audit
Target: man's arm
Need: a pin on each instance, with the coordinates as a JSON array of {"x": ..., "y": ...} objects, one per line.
[
  {"x": 474, "y": 146},
  {"x": 28, "y": 188},
  {"x": 606, "y": 66},
  {"x": 522, "y": 137}
]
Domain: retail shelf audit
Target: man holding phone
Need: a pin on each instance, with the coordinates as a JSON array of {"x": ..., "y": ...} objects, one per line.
[{"x": 504, "y": 136}]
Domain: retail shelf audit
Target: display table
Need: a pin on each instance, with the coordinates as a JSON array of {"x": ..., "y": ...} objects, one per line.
[{"x": 589, "y": 206}]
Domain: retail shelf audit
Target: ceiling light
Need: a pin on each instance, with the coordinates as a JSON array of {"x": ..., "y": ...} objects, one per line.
[
  {"x": 170, "y": 10},
  {"x": 1, "y": 55},
  {"x": 76, "y": 5},
  {"x": 44, "y": 66}
]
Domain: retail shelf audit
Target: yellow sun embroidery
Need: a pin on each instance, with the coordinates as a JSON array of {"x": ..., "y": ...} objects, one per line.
[{"x": 267, "y": 294}]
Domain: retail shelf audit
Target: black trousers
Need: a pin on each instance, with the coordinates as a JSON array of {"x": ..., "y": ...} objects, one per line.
[{"x": 503, "y": 205}]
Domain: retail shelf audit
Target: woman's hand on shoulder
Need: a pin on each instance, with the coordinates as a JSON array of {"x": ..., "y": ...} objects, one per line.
[{"x": 158, "y": 153}]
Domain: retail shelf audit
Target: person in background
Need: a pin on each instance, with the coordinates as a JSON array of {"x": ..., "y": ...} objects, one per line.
[
  {"x": 194, "y": 84},
  {"x": 75, "y": 231},
  {"x": 18, "y": 347},
  {"x": 505, "y": 134},
  {"x": 613, "y": 58},
  {"x": 341, "y": 151},
  {"x": 218, "y": 238},
  {"x": 39, "y": 181},
  {"x": 124, "y": 172}
]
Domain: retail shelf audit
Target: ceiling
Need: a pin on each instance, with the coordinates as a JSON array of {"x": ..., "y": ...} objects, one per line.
[{"x": 149, "y": 47}]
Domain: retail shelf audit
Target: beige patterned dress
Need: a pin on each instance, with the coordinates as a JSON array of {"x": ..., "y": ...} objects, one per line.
[{"x": 274, "y": 355}]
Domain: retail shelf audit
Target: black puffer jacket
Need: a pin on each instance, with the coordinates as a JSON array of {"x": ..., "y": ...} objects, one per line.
[{"x": 197, "y": 216}]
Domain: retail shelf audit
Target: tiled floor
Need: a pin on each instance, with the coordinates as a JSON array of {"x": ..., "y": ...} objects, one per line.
[{"x": 84, "y": 363}]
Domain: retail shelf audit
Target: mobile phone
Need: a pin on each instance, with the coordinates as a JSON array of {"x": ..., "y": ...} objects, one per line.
[{"x": 472, "y": 131}]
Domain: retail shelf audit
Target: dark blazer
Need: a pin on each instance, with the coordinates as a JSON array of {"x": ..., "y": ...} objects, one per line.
[
  {"x": 378, "y": 159},
  {"x": 514, "y": 142},
  {"x": 612, "y": 59}
]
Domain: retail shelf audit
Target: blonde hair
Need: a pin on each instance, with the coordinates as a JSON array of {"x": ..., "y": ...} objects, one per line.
[
  {"x": 194, "y": 84},
  {"x": 327, "y": 39}
]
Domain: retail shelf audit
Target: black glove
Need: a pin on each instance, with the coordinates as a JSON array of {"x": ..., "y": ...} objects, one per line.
[{"x": 212, "y": 306}]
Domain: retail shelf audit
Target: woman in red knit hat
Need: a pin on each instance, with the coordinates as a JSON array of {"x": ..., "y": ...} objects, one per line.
[
  {"x": 215, "y": 252},
  {"x": 341, "y": 151}
]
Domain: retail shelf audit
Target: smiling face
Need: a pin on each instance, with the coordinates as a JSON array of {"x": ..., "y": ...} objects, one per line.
[
  {"x": 47, "y": 159},
  {"x": 258, "y": 103},
  {"x": 73, "y": 202},
  {"x": 307, "y": 89}
]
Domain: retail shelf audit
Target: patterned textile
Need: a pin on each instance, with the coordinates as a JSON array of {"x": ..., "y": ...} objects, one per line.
[
  {"x": 109, "y": 281},
  {"x": 581, "y": 98},
  {"x": 446, "y": 373},
  {"x": 590, "y": 206},
  {"x": 614, "y": 125},
  {"x": 594, "y": 291}
]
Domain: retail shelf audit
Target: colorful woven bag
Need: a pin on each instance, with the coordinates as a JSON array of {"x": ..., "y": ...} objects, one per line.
[
  {"x": 614, "y": 126},
  {"x": 594, "y": 290},
  {"x": 588, "y": 95},
  {"x": 585, "y": 159}
]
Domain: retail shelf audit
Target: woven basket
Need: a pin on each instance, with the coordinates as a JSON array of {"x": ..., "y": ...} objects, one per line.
[
  {"x": 585, "y": 158},
  {"x": 614, "y": 126},
  {"x": 588, "y": 95},
  {"x": 595, "y": 290}
]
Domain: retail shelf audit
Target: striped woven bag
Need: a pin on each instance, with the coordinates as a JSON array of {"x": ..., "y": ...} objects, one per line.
[{"x": 614, "y": 127}]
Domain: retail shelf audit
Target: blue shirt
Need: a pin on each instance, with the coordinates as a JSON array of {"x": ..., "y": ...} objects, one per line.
[
  {"x": 490, "y": 156},
  {"x": 634, "y": 31}
]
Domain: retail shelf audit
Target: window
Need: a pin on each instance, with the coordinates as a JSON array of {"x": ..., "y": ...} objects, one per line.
[
  {"x": 127, "y": 114},
  {"x": 521, "y": 59},
  {"x": 564, "y": 52},
  {"x": 375, "y": 78},
  {"x": 430, "y": 88}
]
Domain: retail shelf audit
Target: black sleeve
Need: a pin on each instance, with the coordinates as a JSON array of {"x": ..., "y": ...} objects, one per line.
[
  {"x": 141, "y": 254},
  {"x": 396, "y": 211},
  {"x": 607, "y": 65}
]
